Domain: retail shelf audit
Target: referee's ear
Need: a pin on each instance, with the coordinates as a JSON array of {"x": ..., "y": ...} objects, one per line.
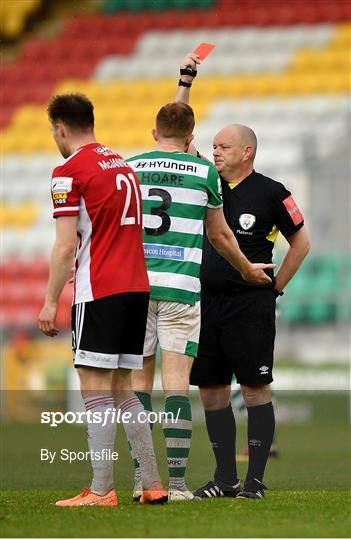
[{"x": 249, "y": 153}]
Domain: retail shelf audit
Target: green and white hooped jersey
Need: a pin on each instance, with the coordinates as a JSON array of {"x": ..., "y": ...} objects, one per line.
[{"x": 176, "y": 190}]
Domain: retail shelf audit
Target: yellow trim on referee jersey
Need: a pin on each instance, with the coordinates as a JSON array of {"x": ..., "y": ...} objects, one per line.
[
  {"x": 232, "y": 185},
  {"x": 272, "y": 236}
]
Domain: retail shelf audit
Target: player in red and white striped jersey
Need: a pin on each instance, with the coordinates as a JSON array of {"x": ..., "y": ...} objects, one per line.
[
  {"x": 97, "y": 206},
  {"x": 97, "y": 185}
]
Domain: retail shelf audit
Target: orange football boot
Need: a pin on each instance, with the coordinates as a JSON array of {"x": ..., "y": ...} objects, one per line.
[
  {"x": 155, "y": 494},
  {"x": 88, "y": 498}
]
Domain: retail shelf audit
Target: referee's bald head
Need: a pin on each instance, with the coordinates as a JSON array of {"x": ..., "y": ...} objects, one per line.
[{"x": 245, "y": 136}]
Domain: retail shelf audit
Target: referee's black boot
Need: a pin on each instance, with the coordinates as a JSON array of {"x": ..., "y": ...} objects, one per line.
[
  {"x": 253, "y": 489},
  {"x": 217, "y": 489}
]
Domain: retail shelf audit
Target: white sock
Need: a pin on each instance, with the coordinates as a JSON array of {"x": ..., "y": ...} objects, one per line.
[
  {"x": 177, "y": 484},
  {"x": 140, "y": 439},
  {"x": 101, "y": 437}
]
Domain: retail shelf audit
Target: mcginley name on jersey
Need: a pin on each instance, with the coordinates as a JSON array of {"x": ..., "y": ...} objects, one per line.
[{"x": 112, "y": 163}]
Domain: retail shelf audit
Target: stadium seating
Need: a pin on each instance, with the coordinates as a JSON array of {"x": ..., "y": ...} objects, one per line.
[
  {"x": 157, "y": 5},
  {"x": 81, "y": 46},
  {"x": 14, "y": 15},
  {"x": 249, "y": 12},
  {"x": 320, "y": 292},
  {"x": 279, "y": 67},
  {"x": 23, "y": 289}
]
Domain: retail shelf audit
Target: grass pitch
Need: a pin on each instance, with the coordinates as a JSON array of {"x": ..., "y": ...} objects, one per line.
[
  {"x": 309, "y": 485},
  {"x": 288, "y": 513}
]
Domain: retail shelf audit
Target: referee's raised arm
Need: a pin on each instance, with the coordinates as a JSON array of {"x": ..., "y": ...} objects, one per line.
[{"x": 188, "y": 72}]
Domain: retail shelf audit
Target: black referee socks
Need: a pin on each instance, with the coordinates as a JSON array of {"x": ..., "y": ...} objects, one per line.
[
  {"x": 260, "y": 432},
  {"x": 221, "y": 430}
]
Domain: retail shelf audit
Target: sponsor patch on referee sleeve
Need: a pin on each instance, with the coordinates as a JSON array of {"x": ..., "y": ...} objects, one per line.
[{"x": 293, "y": 210}]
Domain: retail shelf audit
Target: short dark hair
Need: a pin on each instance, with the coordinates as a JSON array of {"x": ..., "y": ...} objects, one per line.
[
  {"x": 75, "y": 110},
  {"x": 175, "y": 120}
]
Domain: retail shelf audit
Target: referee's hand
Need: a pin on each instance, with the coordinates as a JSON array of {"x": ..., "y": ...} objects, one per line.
[
  {"x": 255, "y": 273},
  {"x": 190, "y": 61}
]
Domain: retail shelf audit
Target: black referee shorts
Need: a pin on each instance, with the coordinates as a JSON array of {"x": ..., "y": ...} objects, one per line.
[
  {"x": 109, "y": 332},
  {"x": 236, "y": 338}
]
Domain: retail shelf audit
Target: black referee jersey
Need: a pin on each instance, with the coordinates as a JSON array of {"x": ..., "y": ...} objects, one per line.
[{"x": 256, "y": 210}]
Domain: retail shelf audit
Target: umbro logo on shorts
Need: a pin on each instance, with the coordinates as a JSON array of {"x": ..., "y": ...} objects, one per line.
[{"x": 264, "y": 370}]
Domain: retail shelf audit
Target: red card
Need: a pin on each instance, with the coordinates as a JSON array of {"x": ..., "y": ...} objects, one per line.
[{"x": 204, "y": 50}]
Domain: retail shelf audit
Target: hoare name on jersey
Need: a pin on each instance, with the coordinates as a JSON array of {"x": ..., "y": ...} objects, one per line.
[
  {"x": 166, "y": 164},
  {"x": 161, "y": 178},
  {"x": 112, "y": 163}
]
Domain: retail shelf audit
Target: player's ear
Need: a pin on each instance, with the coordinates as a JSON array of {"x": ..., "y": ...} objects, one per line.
[
  {"x": 55, "y": 126},
  {"x": 188, "y": 140},
  {"x": 61, "y": 130},
  {"x": 154, "y": 134}
]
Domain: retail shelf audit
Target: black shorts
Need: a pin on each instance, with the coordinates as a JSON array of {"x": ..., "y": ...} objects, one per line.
[
  {"x": 236, "y": 338},
  {"x": 109, "y": 332}
]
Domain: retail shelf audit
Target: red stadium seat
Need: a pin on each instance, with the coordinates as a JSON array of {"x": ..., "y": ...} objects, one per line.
[
  {"x": 286, "y": 14},
  {"x": 78, "y": 69},
  {"x": 260, "y": 16},
  {"x": 168, "y": 20},
  {"x": 84, "y": 40},
  {"x": 190, "y": 19},
  {"x": 32, "y": 50},
  {"x": 6, "y": 115},
  {"x": 9, "y": 315},
  {"x": 232, "y": 17},
  {"x": 24, "y": 285},
  {"x": 39, "y": 93},
  {"x": 144, "y": 21},
  {"x": 38, "y": 269}
]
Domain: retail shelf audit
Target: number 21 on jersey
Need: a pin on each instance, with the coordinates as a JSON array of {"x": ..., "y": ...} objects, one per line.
[{"x": 129, "y": 181}]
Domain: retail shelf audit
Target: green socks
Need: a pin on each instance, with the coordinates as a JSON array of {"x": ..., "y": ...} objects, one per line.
[{"x": 177, "y": 430}]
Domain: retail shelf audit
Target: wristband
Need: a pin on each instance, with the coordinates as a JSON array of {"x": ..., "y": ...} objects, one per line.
[
  {"x": 277, "y": 293},
  {"x": 183, "y": 83},
  {"x": 188, "y": 71}
]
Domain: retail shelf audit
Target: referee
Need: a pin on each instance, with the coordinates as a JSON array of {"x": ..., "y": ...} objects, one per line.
[{"x": 237, "y": 319}]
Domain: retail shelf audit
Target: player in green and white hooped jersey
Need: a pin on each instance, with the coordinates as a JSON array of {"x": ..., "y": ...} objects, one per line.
[{"x": 180, "y": 194}]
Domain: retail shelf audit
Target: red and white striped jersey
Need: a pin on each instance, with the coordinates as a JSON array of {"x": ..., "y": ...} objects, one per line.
[{"x": 96, "y": 184}]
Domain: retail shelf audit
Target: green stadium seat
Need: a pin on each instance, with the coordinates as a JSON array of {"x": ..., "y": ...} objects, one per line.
[
  {"x": 135, "y": 5},
  {"x": 181, "y": 4},
  {"x": 111, "y": 6},
  {"x": 292, "y": 312},
  {"x": 320, "y": 292},
  {"x": 326, "y": 282},
  {"x": 300, "y": 284},
  {"x": 319, "y": 312},
  {"x": 159, "y": 5}
]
